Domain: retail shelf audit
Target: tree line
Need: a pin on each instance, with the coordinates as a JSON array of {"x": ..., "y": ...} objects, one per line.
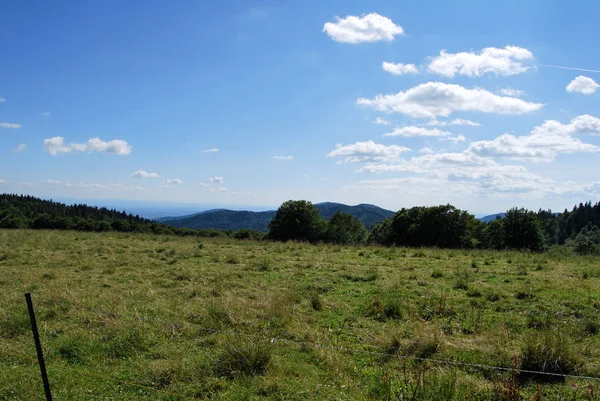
[
  {"x": 23, "y": 211},
  {"x": 445, "y": 226}
]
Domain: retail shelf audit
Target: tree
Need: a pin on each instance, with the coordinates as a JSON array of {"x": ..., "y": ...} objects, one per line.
[
  {"x": 522, "y": 230},
  {"x": 442, "y": 226},
  {"x": 298, "y": 221},
  {"x": 343, "y": 228},
  {"x": 494, "y": 234},
  {"x": 382, "y": 234}
]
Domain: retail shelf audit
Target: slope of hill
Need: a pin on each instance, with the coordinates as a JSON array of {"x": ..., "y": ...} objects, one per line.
[
  {"x": 492, "y": 217},
  {"x": 224, "y": 219}
]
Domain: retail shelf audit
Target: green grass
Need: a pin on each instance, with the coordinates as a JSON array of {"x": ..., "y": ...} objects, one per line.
[{"x": 225, "y": 319}]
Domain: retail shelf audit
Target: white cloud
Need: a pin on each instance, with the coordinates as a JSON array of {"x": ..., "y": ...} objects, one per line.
[
  {"x": 9, "y": 125},
  {"x": 2, "y": 99},
  {"x": 57, "y": 145},
  {"x": 544, "y": 142},
  {"x": 213, "y": 150},
  {"x": 45, "y": 113},
  {"x": 583, "y": 85},
  {"x": 173, "y": 181},
  {"x": 19, "y": 148},
  {"x": 2, "y": 181},
  {"x": 460, "y": 121},
  {"x": 216, "y": 179},
  {"x": 282, "y": 157},
  {"x": 367, "y": 152},
  {"x": 433, "y": 99},
  {"x": 457, "y": 121},
  {"x": 217, "y": 189},
  {"x": 412, "y": 131},
  {"x": 144, "y": 174},
  {"x": 368, "y": 28},
  {"x": 427, "y": 151},
  {"x": 459, "y": 173},
  {"x": 399, "y": 68},
  {"x": 53, "y": 182},
  {"x": 454, "y": 138},
  {"x": 492, "y": 60},
  {"x": 511, "y": 92},
  {"x": 381, "y": 121}
]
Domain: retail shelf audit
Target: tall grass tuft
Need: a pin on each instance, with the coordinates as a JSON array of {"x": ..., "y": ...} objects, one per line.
[
  {"x": 242, "y": 356},
  {"x": 547, "y": 352}
]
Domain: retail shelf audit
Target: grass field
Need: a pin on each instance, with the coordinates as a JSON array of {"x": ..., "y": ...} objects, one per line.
[{"x": 226, "y": 319}]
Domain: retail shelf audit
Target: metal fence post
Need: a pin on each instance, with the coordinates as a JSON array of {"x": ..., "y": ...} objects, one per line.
[{"x": 38, "y": 347}]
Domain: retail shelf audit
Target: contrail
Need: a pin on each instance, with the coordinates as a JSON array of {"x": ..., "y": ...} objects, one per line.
[{"x": 565, "y": 68}]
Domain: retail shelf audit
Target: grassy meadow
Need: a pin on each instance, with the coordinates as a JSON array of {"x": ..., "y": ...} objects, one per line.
[{"x": 225, "y": 319}]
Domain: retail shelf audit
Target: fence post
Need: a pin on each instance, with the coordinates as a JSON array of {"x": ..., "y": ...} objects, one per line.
[{"x": 38, "y": 347}]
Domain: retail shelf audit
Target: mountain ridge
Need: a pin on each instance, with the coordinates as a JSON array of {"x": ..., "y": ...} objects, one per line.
[{"x": 226, "y": 219}]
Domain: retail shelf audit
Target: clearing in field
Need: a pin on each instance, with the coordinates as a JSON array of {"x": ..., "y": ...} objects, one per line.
[{"x": 124, "y": 315}]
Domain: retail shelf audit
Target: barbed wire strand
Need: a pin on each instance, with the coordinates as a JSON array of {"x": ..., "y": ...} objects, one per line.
[{"x": 314, "y": 345}]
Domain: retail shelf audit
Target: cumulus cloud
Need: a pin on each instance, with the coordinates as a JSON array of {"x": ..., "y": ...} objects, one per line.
[
  {"x": 511, "y": 92},
  {"x": 454, "y": 138},
  {"x": 427, "y": 151},
  {"x": 2, "y": 99},
  {"x": 433, "y": 99},
  {"x": 492, "y": 60},
  {"x": 53, "y": 182},
  {"x": 173, "y": 181},
  {"x": 216, "y": 179},
  {"x": 412, "y": 131},
  {"x": 583, "y": 85},
  {"x": 458, "y": 172},
  {"x": 381, "y": 121},
  {"x": 144, "y": 174},
  {"x": 399, "y": 68},
  {"x": 367, "y": 152},
  {"x": 282, "y": 157},
  {"x": 368, "y": 28},
  {"x": 9, "y": 125},
  {"x": 544, "y": 142},
  {"x": 213, "y": 150},
  {"x": 56, "y": 145},
  {"x": 457, "y": 121},
  {"x": 19, "y": 148},
  {"x": 45, "y": 113}
]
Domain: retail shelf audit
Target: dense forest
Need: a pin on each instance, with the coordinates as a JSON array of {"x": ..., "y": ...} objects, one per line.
[
  {"x": 22, "y": 211},
  {"x": 442, "y": 226}
]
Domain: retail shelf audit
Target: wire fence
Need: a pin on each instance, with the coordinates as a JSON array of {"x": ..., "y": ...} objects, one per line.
[{"x": 274, "y": 340}]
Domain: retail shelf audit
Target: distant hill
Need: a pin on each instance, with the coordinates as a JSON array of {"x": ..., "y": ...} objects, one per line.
[
  {"x": 224, "y": 219},
  {"x": 492, "y": 217}
]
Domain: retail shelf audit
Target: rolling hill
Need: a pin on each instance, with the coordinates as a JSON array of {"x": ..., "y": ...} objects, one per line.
[{"x": 225, "y": 219}]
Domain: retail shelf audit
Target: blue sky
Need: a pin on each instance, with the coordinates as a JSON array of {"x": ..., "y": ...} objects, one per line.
[{"x": 248, "y": 104}]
